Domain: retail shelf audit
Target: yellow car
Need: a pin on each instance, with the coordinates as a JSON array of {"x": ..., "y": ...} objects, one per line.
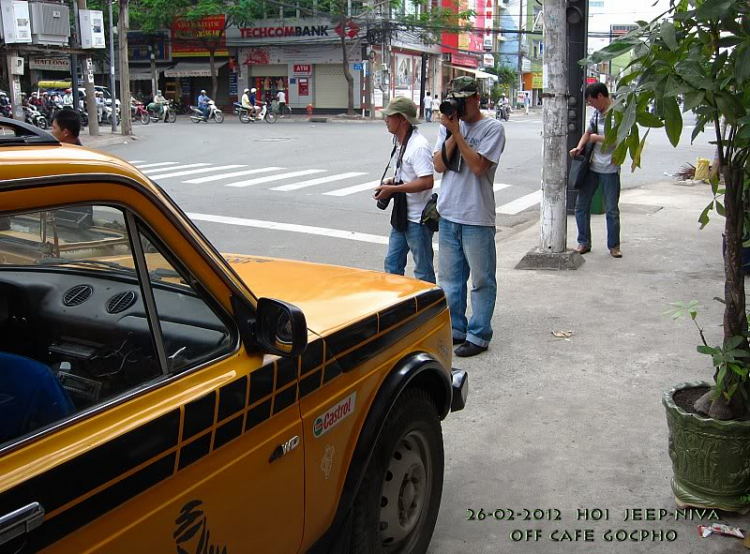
[{"x": 157, "y": 396}]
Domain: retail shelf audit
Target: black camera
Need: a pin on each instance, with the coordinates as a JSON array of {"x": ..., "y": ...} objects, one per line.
[
  {"x": 383, "y": 204},
  {"x": 452, "y": 106}
]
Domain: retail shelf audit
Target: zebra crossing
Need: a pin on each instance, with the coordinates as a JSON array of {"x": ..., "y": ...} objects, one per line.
[{"x": 286, "y": 180}]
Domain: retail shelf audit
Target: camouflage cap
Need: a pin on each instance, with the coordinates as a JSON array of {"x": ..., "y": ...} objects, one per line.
[{"x": 463, "y": 87}]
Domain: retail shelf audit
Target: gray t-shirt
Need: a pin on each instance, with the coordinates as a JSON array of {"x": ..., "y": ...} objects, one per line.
[
  {"x": 465, "y": 198},
  {"x": 601, "y": 162}
]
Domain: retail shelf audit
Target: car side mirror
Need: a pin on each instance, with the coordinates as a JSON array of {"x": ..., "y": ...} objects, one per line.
[{"x": 281, "y": 328}]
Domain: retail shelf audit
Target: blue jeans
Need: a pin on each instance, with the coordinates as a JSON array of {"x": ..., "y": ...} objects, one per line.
[
  {"x": 469, "y": 250},
  {"x": 418, "y": 240},
  {"x": 428, "y": 114},
  {"x": 610, "y": 183}
]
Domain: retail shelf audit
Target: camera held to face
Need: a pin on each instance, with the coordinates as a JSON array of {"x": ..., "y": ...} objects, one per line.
[{"x": 451, "y": 106}]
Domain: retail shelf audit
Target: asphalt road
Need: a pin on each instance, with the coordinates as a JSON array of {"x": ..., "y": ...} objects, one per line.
[{"x": 303, "y": 190}]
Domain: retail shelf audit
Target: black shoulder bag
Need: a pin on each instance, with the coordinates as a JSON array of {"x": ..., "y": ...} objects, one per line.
[
  {"x": 400, "y": 213},
  {"x": 579, "y": 167}
]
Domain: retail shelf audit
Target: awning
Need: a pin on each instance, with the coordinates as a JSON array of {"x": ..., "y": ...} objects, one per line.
[
  {"x": 143, "y": 74},
  {"x": 193, "y": 69},
  {"x": 478, "y": 73}
]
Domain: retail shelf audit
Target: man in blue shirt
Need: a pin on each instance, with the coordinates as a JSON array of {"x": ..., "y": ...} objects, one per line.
[{"x": 203, "y": 103}]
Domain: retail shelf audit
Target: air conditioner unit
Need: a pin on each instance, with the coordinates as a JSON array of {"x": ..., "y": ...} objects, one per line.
[
  {"x": 14, "y": 21},
  {"x": 92, "y": 28},
  {"x": 50, "y": 23}
]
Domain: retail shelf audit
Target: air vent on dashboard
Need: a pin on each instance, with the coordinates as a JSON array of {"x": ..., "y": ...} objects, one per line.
[
  {"x": 77, "y": 295},
  {"x": 121, "y": 302}
]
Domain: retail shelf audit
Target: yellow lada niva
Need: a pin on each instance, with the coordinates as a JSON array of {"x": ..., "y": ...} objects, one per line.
[{"x": 157, "y": 396}]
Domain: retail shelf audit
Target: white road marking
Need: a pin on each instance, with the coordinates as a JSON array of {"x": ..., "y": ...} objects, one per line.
[
  {"x": 212, "y": 178},
  {"x": 319, "y": 181},
  {"x": 272, "y": 178},
  {"x": 291, "y": 227},
  {"x": 352, "y": 190},
  {"x": 155, "y": 165},
  {"x": 165, "y": 169},
  {"x": 520, "y": 204},
  {"x": 203, "y": 170},
  {"x": 499, "y": 186}
]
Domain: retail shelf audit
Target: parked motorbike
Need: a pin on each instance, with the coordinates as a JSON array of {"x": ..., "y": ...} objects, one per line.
[
  {"x": 213, "y": 113},
  {"x": 168, "y": 114},
  {"x": 107, "y": 114},
  {"x": 34, "y": 117}
]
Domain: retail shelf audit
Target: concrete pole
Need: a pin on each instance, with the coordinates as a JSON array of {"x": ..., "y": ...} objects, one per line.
[
  {"x": 88, "y": 80},
  {"x": 554, "y": 118},
  {"x": 552, "y": 253},
  {"x": 125, "y": 111},
  {"x": 122, "y": 33},
  {"x": 520, "y": 52},
  {"x": 14, "y": 86}
]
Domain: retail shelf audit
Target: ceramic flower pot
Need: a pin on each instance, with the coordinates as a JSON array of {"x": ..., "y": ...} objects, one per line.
[{"x": 710, "y": 458}]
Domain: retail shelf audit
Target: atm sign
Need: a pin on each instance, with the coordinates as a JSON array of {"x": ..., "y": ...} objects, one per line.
[{"x": 302, "y": 69}]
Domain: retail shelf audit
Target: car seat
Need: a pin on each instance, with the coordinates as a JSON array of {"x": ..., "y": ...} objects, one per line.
[{"x": 31, "y": 396}]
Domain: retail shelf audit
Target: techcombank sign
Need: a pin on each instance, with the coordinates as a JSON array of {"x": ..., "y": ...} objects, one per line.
[{"x": 270, "y": 31}]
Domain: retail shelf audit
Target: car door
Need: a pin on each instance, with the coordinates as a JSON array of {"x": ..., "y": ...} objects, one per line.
[{"x": 197, "y": 447}]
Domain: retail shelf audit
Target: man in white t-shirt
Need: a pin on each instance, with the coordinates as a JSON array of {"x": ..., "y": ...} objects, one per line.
[
  {"x": 281, "y": 99},
  {"x": 414, "y": 175},
  {"x": 427, "y": 103},
  {"x": 468, "y": 159}
]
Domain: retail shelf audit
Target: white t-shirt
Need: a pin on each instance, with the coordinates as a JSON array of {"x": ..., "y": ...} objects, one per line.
[
  {"x": 601, "y": 162},
  {"x": 417, "y": 162},
  {"x": 435, "y": 105},
  {"x": 428, "y": 102},
  {"x": 281, "y": 97},
  {"x": 464, "y": 197}
]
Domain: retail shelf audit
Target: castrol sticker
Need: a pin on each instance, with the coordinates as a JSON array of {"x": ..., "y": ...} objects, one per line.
[{"x": 328, "y": 420}]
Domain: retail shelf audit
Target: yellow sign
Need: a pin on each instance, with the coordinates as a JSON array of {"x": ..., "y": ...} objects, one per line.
[{"x": 536, "y": 80}]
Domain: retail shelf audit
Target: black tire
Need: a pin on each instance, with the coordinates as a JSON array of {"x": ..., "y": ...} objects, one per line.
[
  {"x": 171, "y": 116},
  {"x": 406, "y": 467},
  {"x": 195, "y": 119},
  {"x": 271, "y": 117},
  {"x": 219, "y": 117},
  {"x": 145, "y": 118},
  {"x": 41, "y": 122},
  {"x": 244, "y": 117}
]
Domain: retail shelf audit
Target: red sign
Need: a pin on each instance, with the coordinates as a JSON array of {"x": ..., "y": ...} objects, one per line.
[
  {"x": 192, "y": 37},
  {"x": 464, "y": 60},
  {"x": 302, "y": 69},
  {"x": 591, "y": 80},
  {"x": 350, "y": 30}
]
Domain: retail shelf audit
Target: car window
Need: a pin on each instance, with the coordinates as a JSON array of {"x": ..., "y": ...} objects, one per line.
[
  {"x": 191, "y": 329},
  {"x": 74, "y": 324}
]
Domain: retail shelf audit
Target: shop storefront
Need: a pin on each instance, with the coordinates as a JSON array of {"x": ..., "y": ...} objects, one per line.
[{"x": 302, "y": 57}]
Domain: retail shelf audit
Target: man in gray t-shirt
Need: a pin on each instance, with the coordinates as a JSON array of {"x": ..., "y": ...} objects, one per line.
[
  {"x": 602, "y": 173},
  {"x": 467, "y": 153}
]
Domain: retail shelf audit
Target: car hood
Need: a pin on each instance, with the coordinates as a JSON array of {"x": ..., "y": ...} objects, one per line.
[{"x": 330, "y": 296}]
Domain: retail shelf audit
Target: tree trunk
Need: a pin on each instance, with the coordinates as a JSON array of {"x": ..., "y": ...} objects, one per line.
[
  {"x": 347, "y": 75},
  {"x": 214, "y": 78}
]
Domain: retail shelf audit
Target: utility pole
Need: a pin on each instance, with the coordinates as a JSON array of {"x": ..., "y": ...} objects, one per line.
[
  {"x": 154, "y": 77},
  {"x": 14, "y": 84},
  {"x": 122, "y": 33},
  {"x": 520, "y": 52},
  {"x": 123, "y": 111},
  {"x": 88, "y": 79},
  {"x": 552, "y": 253},
  {"x": 423, "y": 85}
]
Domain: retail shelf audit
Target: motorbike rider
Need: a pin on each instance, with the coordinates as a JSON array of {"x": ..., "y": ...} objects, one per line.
[
  {"x": 254, "y": 102},
  {"x": 203, "y": 100},
  {"x": 503, "y": 106},
  {"x": 158, "y": 103},
  {"x": 67, "y": 98},
  {"x": 246, "y": 102},
  {"x": 36, "y": 101},
  {"x": 99, "y": 97}
]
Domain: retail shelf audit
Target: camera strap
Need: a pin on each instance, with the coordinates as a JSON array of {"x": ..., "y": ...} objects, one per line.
[{"x": 400, "y": 154}]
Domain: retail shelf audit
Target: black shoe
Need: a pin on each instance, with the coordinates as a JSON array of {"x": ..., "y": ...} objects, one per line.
[
  {"x": 458, "y": 341},
  {"x": 469, "y": 349}
]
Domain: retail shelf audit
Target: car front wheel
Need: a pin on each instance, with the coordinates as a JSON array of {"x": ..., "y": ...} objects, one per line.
[{"x": 397, "y": 505}]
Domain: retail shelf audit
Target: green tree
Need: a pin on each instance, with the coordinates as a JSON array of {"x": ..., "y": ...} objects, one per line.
[{"x": 700, "y": 52}]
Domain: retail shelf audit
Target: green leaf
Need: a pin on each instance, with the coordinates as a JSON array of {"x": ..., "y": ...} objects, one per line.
[
  {"x": 703, "y": 219},
  {"x": 633, "y": 141},
  {"x": 722, "y": 374},
  {"x": 618, "y": 156},
  {"x": 733, "y": 342},
  {"x": 720, "y": 209},
  {"x": 737, "y": 353},
  {"x": 742, "y": 63},
  {"x": 713, "y": 9},
  {"x": 673, "y": 120},
  {"x": 648, "y": 119},
  {"x": 692, "y": 100},
  {"x": 613, "y": 50},
  {"x": 707, "y": 350},
  {"x": 668, "y": 34},
  {"x": 693, "y": 73},
  {"x": 729, "y": 106},
  {"x": 628, "y": 120},
  {"x": 639, "y": 152}
]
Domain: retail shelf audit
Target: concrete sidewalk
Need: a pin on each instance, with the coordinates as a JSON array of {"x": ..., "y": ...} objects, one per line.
[
  {"x": 557, "y": 424},
  {"x": 105, "y": 138}
]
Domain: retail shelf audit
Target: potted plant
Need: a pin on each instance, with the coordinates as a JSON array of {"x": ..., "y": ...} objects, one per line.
[{"x": 699, "y": 52}]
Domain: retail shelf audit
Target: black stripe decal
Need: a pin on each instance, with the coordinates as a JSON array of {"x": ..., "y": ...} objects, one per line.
[
  {"x": 199, "y": 415},
  {"x": 257, "y": 415},
  {"x": 284, "y": 399},
  {"x": 191, "y": 453},
  {"x": 232, "y": 398},
  {"x": 353, "y": 335},
  {"x": 79, "y": 476},
  {"x": 310, "y": 384},
  {"x": 332, "y": 370},
  {"x": 313, "y": 356},
  {"x": 261, "y": 383},
  {"x": 102, "y": 502},
  {"x": 228, "y": 431},
  {"x": 375, "y": 347},
  {"x": 286, "y": 371},
  {"x": 428, "y": 298},
  {"x": 396, "y": 314}
]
